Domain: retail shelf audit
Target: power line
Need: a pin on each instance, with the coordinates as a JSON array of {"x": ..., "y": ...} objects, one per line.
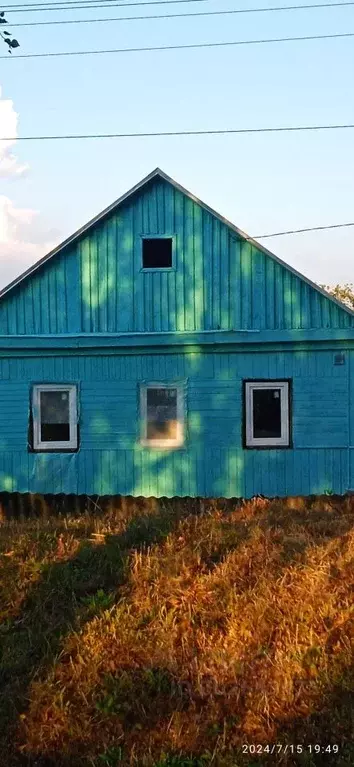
[
  {"x": 278, "y": 129},
  {"x": 181, "y": 15},
  {"x": 178, "y": 47},
  {"x": 51, "y": 3},
  {"x": 299, "y": 231},
  {"x": 76, "y": 7}
]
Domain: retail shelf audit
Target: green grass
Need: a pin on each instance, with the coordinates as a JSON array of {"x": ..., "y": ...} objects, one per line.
[{"x": 145, "y": 633}]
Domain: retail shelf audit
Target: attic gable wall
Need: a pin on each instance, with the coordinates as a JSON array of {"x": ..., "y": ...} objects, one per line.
[
  {"x": 271, "y": 297},
  {"x": 46, "y": 302},
  {"x": 220, "y": 281}
]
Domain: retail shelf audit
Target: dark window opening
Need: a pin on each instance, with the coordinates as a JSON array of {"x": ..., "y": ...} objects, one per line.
[
  {"x": 55, "y": 420},
  {"x": 266, "y": 413},
  {"x": 55, "y": 432},
  {"x": 339, "y": 359},
  {"x": 161, "y": 407},
  {"x": 157, "y": 253}
]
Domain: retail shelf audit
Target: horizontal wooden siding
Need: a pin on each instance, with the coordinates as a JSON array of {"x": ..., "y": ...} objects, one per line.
[{"x": 212, "y": 462}]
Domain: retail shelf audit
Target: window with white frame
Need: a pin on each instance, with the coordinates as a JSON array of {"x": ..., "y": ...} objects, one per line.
[
  {"x": 54, "y": 411},
  {"x": 162, "y": 415},
  {"x": 267, "y": 414}
]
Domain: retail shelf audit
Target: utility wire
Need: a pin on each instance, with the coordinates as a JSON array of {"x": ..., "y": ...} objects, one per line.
[
  {"x": 178, "y": 47},
  {"x": 285, "y": 129},
  {"x": 299, "y": 231},
  {"x": 80, "y": 7},
  {"x": 181, "y": 15},
  {"x": 65, "y": 2},
  {"x": 48, "y": 5}
]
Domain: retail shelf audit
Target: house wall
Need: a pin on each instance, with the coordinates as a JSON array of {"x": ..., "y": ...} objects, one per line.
[
  {"x": 213, "y": 461},
  {"x": 219, "y": 280}
]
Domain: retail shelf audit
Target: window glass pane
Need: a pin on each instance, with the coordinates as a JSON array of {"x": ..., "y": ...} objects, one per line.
[
  {"x": 157, "y": 253},
  {"x": 266, "y": 413},
  {"x": 55, "y": 422},
  {"x": 161, "y": 413}
]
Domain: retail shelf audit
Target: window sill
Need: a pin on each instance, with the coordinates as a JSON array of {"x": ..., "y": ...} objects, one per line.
[
  {"x": 157, "y": 269},
  {"x": 161, "y": 444},
  {"x": 268, "y": 447},
  {"x": 53, "y": 450}
]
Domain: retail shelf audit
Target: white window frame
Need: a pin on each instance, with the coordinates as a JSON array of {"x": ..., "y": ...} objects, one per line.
[
  {"x": 70, "y": 444},
  {"x": 283, "y": 440},
  {"x": 179, "y": 440}
]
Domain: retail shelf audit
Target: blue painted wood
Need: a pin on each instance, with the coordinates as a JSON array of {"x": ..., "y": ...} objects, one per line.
[
  {"x": 281, "y": 340},
  {"x": 213, "y": 461},
  {"x": 96, "y": 285},
  {"x": 225, "y": 312}
]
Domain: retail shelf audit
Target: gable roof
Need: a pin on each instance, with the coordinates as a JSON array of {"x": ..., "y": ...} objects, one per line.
[{"x": 158, "y": 173}]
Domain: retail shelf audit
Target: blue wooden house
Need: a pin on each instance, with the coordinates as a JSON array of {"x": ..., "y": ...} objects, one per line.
[{"x": 160, "y": 351}]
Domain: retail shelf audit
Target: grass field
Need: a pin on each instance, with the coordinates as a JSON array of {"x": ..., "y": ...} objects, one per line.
[{"x": 178, "y": 633}]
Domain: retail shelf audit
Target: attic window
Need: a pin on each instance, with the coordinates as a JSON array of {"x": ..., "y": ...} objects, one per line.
[
  {"x": 157, "y": 252},
  {"x": 267, "y": 414},
  {"x": 54, "y": 412}
]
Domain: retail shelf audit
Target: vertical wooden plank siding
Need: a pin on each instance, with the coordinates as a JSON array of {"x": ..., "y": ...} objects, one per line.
[
  {"x": 124, "y": 269},
  {"x": 94, "y": 281},
  {"x": 96, "y": 285},
  {"x": 72, "y": 291},
  {"x": 246, "y": 285},
  {"x": 103, "y": 278},
  {"x": 269, "y": 296},
  {"x": 207, "y": 271},
  {"x": 215, "y": 288},
  {"x": 234, "y": 284},
  {"x": 111, "y": 275},
  {"x": 29, "y": 311},
  {"x": 180, "y": 320},
  {"x": 187, "y": 257},
  {"x": 84, "y": 255},
  {"x": 279, "y": 297},
  {"x": 257, "y": 282},
  {"x": 170, "y": 227},
  {"x": 199, "y": 319}
]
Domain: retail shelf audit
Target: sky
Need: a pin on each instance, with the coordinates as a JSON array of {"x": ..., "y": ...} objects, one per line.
[{"x": 262, "y": 183}]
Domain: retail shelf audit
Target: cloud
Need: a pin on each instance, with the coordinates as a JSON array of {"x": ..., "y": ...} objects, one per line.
[
  {"x": 9, "y": 165},
  {"x": 22, "y": 241},
  {"x": 23, "y": 238}
]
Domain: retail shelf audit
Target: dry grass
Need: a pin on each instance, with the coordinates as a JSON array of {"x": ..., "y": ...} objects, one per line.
[{"x": 149, "y": 634}]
